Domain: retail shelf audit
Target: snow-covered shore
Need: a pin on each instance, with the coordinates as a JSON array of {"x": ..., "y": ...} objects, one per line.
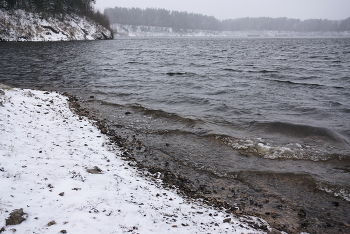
[
  {"x": 68, "y": 178},
  {"x": 122, "y": 30},
  {"x": 19, "y": 25}
]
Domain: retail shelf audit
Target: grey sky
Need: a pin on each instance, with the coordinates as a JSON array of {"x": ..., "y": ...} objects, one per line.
[{"x": 231, "y": 9}]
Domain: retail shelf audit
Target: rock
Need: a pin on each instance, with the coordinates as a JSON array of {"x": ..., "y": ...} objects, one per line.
[
  {"x": 227, "y": 220},
  {"x": 302, "y": 214},
  {"x": 16, "y": 217},
  {"x": 95, "y": 170},
  {"x": 53, "y": 222},
  {"x": 305, "y": 224},
  {"x": 2, "y": 86},
  {"x": 336, "y": 204}
]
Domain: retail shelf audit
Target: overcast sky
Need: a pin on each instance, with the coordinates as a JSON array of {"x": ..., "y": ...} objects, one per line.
[{"x": 231, "y": 9}]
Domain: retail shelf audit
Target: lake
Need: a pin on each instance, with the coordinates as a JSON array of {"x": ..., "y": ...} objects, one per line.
[{"x": 266, "y": 117}]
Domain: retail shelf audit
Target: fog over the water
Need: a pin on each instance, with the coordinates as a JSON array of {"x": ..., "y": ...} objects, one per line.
[{"x": 231, "y": 9}]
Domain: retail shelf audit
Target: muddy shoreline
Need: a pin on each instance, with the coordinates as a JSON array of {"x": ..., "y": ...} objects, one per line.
[{"x": 246, "y": 193}]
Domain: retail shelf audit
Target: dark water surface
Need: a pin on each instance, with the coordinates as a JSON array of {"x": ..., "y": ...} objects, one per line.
[{"x": 270, "y": 114}]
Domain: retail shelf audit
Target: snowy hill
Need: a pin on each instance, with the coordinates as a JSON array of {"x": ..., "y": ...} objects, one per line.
[{"x": 19, "y": 25}]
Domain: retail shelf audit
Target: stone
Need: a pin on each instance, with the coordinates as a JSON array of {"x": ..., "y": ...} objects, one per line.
[
  {"x": 2, "y": 86},
  {"x": 95, "y": 170},
  {"x": 16, "y": 217},
  {"x": 53, "y": 222},
  {"x": 302, "y": 214}
]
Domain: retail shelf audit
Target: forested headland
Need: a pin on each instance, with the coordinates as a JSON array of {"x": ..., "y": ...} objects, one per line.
[
  {"x": 55, "y": 7},
  {"x": 184, "y": 20},
  {"x": 52, "y": 20}
]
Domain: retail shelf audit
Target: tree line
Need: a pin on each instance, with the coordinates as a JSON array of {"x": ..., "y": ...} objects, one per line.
[
  {"x": 285, "y": 24},
  {"x": 161, "y": 18},
  {"x": 53, "y": 7},
  {"x": 184, "y": 20}
]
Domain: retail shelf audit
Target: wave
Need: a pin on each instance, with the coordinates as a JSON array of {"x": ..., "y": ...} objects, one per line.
[
  {"x": 337, "y": 191},
  {"x": 272, "y": 150},
  {"x": 304, "y": 83},
  {"x": 295, "y": 130},
  {"x": 217, "y": 92},
  {"x": 181, "y": 74},
  {"x": 319, "y": 56},
  {"x": 277, "y": 139},
  {"x": 137, "y": 63},
  {"x": 197, "y": 132},
  {"x": 233, "y": 70},
  {"x": 167, "y": 116},
  {"x": 262, "y": 71}
]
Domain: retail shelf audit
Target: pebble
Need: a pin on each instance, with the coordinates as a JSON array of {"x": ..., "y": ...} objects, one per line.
[{"x": 53, "y": 222}]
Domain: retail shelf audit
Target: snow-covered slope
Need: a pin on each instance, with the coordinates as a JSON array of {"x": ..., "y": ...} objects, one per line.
[
  {"x": 19, "y": 25},
  {"x": 59, "y": 174}
]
